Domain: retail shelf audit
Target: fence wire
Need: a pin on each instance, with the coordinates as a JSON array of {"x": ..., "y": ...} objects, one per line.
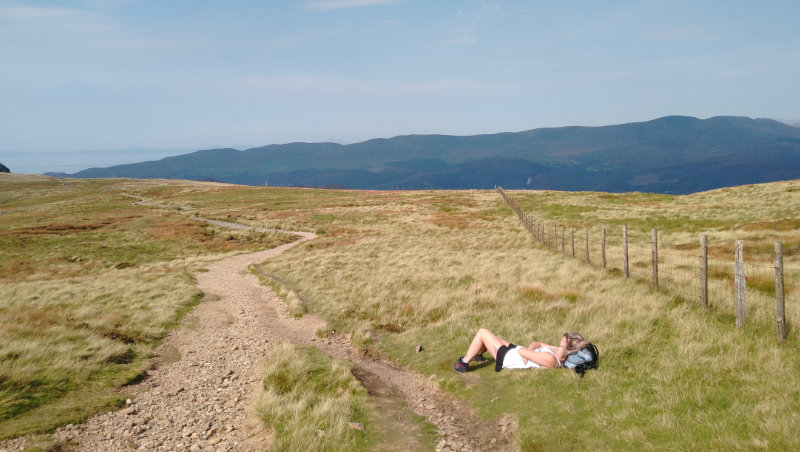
[
  {"x": 678, "y": 272},
  {"x": 791, "y": 287},
  {"x": 640, "y": 262},
  {"x": 720, "y": 283},
  {"x": 760, "y": 297}
]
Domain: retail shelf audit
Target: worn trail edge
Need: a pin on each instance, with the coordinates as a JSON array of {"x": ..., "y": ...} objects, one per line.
[{"x": 201, "y": 396}]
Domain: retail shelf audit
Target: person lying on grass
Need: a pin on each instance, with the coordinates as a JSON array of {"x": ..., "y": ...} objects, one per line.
[{"x": 509, "y": 356}]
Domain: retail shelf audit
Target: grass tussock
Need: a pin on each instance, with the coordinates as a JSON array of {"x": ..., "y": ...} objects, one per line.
[
  {"x": 311, "y": 402},
  {"x": 295, "y": 305}
]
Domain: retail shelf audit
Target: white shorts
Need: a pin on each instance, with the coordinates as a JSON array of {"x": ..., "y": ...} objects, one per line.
[{"x": 513, "y": 360}]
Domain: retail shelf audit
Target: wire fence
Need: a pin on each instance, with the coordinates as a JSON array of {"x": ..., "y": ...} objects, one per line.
[{"x": 761, "y": 289}]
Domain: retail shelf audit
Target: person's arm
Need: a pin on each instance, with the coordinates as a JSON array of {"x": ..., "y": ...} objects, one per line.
[
  {"x": 543, "y": 359},
  {"x": 535, "y": 345}
]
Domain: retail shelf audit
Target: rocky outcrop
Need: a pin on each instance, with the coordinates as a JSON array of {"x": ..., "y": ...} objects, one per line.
[{"x": 4, "y": 169}]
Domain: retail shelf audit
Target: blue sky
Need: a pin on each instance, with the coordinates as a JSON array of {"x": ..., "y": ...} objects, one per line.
[{"x": 139, "y": 80}]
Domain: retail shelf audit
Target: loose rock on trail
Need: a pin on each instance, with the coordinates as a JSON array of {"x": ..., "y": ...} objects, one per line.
[{"x": 201, "y": 396}]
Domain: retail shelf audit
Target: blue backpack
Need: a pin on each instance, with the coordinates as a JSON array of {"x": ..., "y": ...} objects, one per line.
[{"x": 583, "y": 360}]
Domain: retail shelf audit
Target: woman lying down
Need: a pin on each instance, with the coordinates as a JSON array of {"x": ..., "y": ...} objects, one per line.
[{"x": 537, "y": 355}]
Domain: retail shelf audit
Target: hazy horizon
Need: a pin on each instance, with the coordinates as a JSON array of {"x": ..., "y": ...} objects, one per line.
[
  {"x": 74, "y": 161},
  {"x": 188, "y": 75}
]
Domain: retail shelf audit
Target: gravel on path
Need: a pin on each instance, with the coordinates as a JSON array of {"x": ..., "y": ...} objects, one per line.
[{"x": 201, "y": 396}]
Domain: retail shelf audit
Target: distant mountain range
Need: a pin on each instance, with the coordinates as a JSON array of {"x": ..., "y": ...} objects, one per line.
[{"x": 673, "y": 154}]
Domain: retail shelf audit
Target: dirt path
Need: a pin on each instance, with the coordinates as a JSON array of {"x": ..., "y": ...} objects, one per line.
[
  {"x": 390, "y": 384},
  {"x": 201, "y": 396}
]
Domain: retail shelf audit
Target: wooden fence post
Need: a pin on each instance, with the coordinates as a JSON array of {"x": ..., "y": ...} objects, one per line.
[
  {"x": 779, "y": 294},
  {"x": 587, "y": 245},
  {"x": 740, "y": 286},
  {"x": 655, "y": 258},
  {"x": 549, "y": 238},
  {"x": 625, "y": 250},
  {"x": 704, "y": 271},
  {"x": 603, "y": 248},
  {"x": 572, "y": 237},
  {"x": 562, "y": 239}
]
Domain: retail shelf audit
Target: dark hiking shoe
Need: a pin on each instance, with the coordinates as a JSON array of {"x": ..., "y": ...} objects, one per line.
[
  {"x": 480, "y": 359},
  {"x": 459, "y": 366}
]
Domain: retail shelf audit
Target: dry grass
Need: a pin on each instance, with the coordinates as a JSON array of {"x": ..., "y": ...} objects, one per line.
[
  {"x": 431, "y": 267},
  {"x": 309, "y": 401},
  {"x": 89, "y": 285},
  {"x": 418, "y": 279},
  {"x": 757, "y": 214},
  {"x": 59, "y": 337}
]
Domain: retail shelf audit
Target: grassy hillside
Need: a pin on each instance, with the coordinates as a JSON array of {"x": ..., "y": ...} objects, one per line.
[
  {"x": 430, "y": 268},
  {"x": 89, "y": 285},
  {"x": 426, "y": 268}
]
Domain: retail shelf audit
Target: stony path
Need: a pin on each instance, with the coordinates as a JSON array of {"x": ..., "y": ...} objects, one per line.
[
  {"x": 204, "y": 400},
  {"x": 201, "y": 396},
  {"x": 460, "y": 428}
]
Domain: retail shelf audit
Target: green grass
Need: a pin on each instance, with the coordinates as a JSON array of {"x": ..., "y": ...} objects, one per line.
[
  {"x": 89, "y": 286},
  {"x": 672, "y": 376},
  {"x": 60, "y": 336},
  {"x": 432, "y": 267},
  {"x": 310, "y": 401}
]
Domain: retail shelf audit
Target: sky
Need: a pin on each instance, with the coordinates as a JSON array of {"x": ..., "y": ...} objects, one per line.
[{"x": 87, "y": 83}]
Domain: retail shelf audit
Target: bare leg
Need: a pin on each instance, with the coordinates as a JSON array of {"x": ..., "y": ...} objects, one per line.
[{"x": 484, "y": 340}]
